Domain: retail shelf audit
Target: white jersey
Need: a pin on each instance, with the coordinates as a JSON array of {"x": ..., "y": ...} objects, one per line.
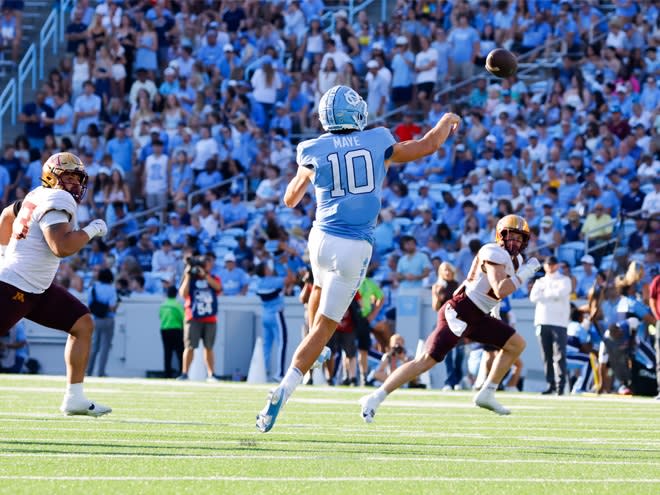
[
  {"x": 477, "y": 286},
  {"x": 29, "y": 264}
]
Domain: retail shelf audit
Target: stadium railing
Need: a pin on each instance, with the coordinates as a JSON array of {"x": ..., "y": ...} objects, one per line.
[
  {"x": 52, "y": 32},
  {"x": 200, "y": 192}
]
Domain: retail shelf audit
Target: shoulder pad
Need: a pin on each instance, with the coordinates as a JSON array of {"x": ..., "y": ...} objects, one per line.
[
  {"x": 494, "y": 253},
  {"x": 54, "y": 199},
  {"x": 303, "y": 157}
]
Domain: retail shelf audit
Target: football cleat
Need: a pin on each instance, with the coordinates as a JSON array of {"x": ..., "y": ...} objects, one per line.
[
  {"x": 369, "y": 405},
  {"x": 323, "y": 357},
  {"x": 84, "y": 407},
  {"x": 268, "y": 415},
  {"x": 486, "y": 399}
]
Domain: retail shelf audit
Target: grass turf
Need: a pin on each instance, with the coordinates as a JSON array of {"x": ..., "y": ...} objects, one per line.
[{"x": 168, "y": 437}]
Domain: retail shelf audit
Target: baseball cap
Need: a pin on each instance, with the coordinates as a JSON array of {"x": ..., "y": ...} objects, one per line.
[
  {"x": 423, "y": 183},
  {"x": 533, "y": 134},
  {"x": 169, "y": 71},
  {"x": 152, "y": 222},
  {"x": 401, "y": 40},
  {"x": 228, "y": 47},
  {"x": 575, "y": 154},
  {"x": 230, "y": 257},
  {"x": 587, "y": 258},
  {"x": 377, "y": 46},
  {"x": 546, "y": 221},
  {"x": 551, "y": 260},
  {"x": 505, "y": 92},
  {"x": 460, "y": 147},
  {"x": 372, "y": 64},
  {"x": 491, "y": 138}
]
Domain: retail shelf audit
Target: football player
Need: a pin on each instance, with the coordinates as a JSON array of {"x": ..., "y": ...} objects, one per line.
[
  {"x": 346, "y": 166},
  {"x": 497, "y": 271},
  {"x": 35, "y": 234}
]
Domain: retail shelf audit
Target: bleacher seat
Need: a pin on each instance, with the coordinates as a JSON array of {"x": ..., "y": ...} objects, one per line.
[
  {"x": 402, "y": 225},
  {"x": 227, "y": 241},
  {"x": 234, "y": 232},
  {"x": 571, "y": 252}
]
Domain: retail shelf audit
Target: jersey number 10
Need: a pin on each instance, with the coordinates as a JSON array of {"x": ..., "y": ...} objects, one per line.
[{"x": 349, "y": 163}]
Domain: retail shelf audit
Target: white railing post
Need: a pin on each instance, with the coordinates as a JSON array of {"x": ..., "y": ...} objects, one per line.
[
  {"x": 26, "y": 66},
  {"x": 47, "y": 33},
  {"x": 65, "y": 8},
  {"x": 7, "y": 101}
]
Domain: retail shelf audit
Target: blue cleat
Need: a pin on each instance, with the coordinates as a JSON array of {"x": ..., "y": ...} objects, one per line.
[
  {"x": 323, "y": 357},
  {"x": 268, "y": 415}
]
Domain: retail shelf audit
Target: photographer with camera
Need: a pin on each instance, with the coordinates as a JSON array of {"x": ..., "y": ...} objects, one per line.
[
  {"x": 390, "y": 361},
  {"x": 199, "y": 290}
]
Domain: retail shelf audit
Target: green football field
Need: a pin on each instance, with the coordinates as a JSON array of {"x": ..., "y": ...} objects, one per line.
[{"x": 177, "y": 437}]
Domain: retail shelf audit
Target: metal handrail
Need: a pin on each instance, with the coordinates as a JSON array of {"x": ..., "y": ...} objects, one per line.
[
  {"x": 7, "y": 101},
  {"x": 27, "y": 65},
  {"x": 200, "y": 192},
  {"x": 65, "y": 7},
  {"x": 137, "y": 216},
  {"x": 47, "y": 33}
]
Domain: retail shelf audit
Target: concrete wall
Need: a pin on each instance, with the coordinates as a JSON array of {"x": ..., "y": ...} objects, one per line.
[{"x": 137, "y": 347}]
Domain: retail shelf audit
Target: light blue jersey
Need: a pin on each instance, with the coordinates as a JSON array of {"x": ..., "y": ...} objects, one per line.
[
  {"x": 348, "y": 179},
  {"x": 269, "y": 290}
]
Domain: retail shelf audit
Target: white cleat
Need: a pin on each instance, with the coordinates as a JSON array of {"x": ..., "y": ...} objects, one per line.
[
  {"x": 268, "y": 415},
  {"x": 486, "y": 399},
  {"x": 84, "y": 407},
  {"x": 369, "y": 405}
]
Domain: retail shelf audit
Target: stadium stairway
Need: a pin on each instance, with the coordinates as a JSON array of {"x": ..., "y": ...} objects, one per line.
[{"x": 34, "y": 15}]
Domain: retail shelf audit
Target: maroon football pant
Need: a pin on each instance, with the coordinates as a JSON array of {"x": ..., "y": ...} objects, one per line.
[
  {"x": 480, "y": 327},
  {"x": 55, "y": 308}
]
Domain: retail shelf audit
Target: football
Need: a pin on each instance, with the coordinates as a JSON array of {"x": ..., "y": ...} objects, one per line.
[{"x": 501, "y": 63}]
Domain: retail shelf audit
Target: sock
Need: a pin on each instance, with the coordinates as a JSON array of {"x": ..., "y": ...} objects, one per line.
[
  {"x": 75, "y": 390},
  {"x": 291, "y": 380},
  {"x": 488, "y": 385},
  {"x": 380, "y": 394}
]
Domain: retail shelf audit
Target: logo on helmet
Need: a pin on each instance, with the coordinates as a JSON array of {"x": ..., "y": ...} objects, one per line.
[
  {"x": 342, "y": 108},
  {"x": 67, "y": 172}
]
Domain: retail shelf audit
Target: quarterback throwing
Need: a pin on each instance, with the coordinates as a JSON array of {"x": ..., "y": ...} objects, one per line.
[{"x": 35, "y": 234}]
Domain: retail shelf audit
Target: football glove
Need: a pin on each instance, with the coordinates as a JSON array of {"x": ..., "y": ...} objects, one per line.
[{"x": 96, "y": 228}]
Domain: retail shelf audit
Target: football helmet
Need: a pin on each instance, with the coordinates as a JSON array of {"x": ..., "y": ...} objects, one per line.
[
  {"x": 342, "y": 108},
  {"x": 512, "y": 223},
  {"x": 55, "y": 170}
]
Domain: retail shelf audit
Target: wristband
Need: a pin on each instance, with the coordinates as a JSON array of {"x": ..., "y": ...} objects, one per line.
[{"x": 91, "y": 231}]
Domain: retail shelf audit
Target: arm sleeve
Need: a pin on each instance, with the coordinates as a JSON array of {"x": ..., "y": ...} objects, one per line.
[{"x": 53, "y": 217}]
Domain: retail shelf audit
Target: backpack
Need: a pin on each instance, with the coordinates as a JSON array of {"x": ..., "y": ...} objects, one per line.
[{"x": 98, "y": 309}]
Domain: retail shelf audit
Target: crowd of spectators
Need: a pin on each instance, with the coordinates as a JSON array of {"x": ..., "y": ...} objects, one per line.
[{"x": 167, "y": 98}]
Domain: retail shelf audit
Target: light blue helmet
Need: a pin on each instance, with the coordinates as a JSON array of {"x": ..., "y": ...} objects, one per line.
[{"x": 342, "y": 108}]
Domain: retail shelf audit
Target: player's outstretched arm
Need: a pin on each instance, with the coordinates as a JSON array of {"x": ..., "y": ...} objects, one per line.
[
  {"x": 408, "y": 151},
  {"x": 297, "y": 187},
  {"x": 63, "y": 241}
]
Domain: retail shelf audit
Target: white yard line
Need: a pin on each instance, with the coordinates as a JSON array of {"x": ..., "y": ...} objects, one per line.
[{"x": 331, "y": 479}]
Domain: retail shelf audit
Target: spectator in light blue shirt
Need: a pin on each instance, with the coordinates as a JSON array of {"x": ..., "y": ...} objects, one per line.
[
  {"x": 4, "y": 185},
  {"x": 234, "y": 280},
  {"x": 63, "y": 119},
  {"x": 120, "y": 148},
  {"x": 413, "y": 266}
]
